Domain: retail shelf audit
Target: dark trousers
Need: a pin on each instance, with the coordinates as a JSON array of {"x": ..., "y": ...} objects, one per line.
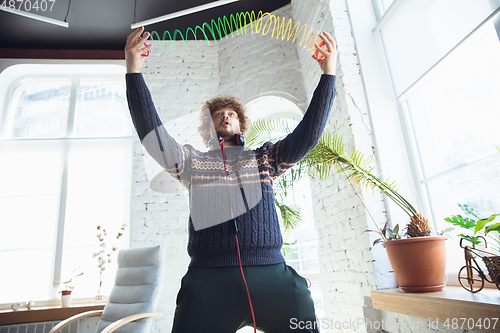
[{"x": 214, "y": 300}]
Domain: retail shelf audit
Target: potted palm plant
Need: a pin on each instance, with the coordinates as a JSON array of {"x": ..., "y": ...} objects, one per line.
[{"x": 417, "y": 257}]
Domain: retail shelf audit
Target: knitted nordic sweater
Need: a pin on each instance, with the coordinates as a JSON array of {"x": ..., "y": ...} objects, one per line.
[{"x": 244, "y": 191}]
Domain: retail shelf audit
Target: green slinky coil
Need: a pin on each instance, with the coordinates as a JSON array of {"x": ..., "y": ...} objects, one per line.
[{"x": 238, "y": 24}]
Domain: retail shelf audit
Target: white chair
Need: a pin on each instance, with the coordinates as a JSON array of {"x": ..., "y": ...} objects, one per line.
[{"x": 137, "y": 288}]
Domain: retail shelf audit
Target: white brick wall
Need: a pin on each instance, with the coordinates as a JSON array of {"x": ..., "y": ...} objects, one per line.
[
  {"x": 345, "y": 257},
  {"x": 254, "y": 65}
]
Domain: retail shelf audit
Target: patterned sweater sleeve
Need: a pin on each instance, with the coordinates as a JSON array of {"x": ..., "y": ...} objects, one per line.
[
  {"x": 153, "y": 135},
  {"x": 287, "y": 152}
]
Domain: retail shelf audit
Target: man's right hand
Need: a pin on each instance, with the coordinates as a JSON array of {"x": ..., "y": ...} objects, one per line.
[{"x": 133, "y": 53}]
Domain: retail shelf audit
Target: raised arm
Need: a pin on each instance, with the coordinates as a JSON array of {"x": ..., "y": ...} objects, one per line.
[
  {"x": 153, "y": 135},
  {"x": 134, "y": 52},
  {"x": 306, "y": 135}
]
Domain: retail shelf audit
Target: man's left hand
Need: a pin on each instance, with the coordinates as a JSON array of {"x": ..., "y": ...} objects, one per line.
[{"x": 328, "y": 62}]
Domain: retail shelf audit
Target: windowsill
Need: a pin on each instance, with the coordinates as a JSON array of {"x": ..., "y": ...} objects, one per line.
[
  {"x": 452, "y": 302},
  {"x": 46, "y": 313}
]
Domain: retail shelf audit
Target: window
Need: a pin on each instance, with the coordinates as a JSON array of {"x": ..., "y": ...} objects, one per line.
[
  {"x": 382, "y": 6},
  {"x": 443, "y": 60},
  {"x": 303, "y": 255},
  {"x": 65, "y": 168}
]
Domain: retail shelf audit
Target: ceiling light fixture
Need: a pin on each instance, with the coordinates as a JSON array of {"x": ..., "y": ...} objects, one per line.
[
  {"x": 182, "y": 13},
  {"x": 35, "y": 17}
]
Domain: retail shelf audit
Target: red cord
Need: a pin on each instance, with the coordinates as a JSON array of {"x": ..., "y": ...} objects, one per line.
[
  {"x": 227, "y": 181},
  {"x": 246, "y": 286},
  {"x": 236, "y": 237}
]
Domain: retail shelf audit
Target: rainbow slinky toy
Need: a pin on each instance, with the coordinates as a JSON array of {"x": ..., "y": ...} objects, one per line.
[{"x": 238, "y": 24}]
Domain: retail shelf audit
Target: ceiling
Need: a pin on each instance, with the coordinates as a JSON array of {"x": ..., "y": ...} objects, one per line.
[{"x": 104, "y": 24}]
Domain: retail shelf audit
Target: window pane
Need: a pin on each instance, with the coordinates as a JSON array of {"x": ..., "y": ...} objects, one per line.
[
  {"x": 475, "y": 185},
  {"x": 40, "y": 109},
  {"x": 304, "y": 255},
  {"x": 317, "y": 296},
  {"x": 29, "y": 174},
  {"x": 455, "y": 114},
  {"x": 101, "y": 109},
  {"x": 386, "y": 4},
  {"x": 97, "y": 196},
  {"x": 28, "y": 222},
  {"x": 27, "y": 274},
  {"x": 422, "y": 31},
  {"x": 28, "y": 200},
  {"x": 455, "y": 120},
  {"x": 28, "y": 214},
  {"x": 96, "y": 172}
]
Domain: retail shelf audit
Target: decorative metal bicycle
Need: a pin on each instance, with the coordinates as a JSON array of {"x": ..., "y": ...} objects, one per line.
[{"x": 471, "y": 276}]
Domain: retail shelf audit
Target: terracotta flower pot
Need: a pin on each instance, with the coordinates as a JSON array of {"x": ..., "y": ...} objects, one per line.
[{"x": 419, "y": 262}]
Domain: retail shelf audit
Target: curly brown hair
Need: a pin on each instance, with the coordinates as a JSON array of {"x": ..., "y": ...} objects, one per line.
[{"x": 215, "y": 104}]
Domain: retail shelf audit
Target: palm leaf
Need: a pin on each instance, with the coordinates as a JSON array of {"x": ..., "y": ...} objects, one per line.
[
  {"x": 287, "y": 248},
  {"x": 290, "y": 216},
  {"x": 285, "y": 183},
  {"x": 272, "y": 130},
  {"x": 330, "y": 153}
]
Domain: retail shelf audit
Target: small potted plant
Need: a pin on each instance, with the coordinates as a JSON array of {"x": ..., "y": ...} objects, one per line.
[
  {"x": 66, "y": 293},
  {"x": 475, "y": 225},
  {"x": 482, "y": 231}
]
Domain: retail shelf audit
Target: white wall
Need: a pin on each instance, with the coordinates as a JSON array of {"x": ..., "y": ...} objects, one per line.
[{"x": 255, "y": 65}]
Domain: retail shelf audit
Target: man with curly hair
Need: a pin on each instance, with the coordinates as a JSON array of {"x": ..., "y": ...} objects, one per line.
[
  {"x": 213, "y": 115},
  {"x": 237, "y": 275}
]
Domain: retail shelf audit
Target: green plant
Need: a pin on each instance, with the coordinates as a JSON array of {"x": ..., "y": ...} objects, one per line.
[
  {"x": 74, "y": 274},
  {"x": 474, "y": 222},
  {"x": 387, "y": 233},
  {"x": 274, "y": 130},
  {"x": 330, "y": 154}
]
